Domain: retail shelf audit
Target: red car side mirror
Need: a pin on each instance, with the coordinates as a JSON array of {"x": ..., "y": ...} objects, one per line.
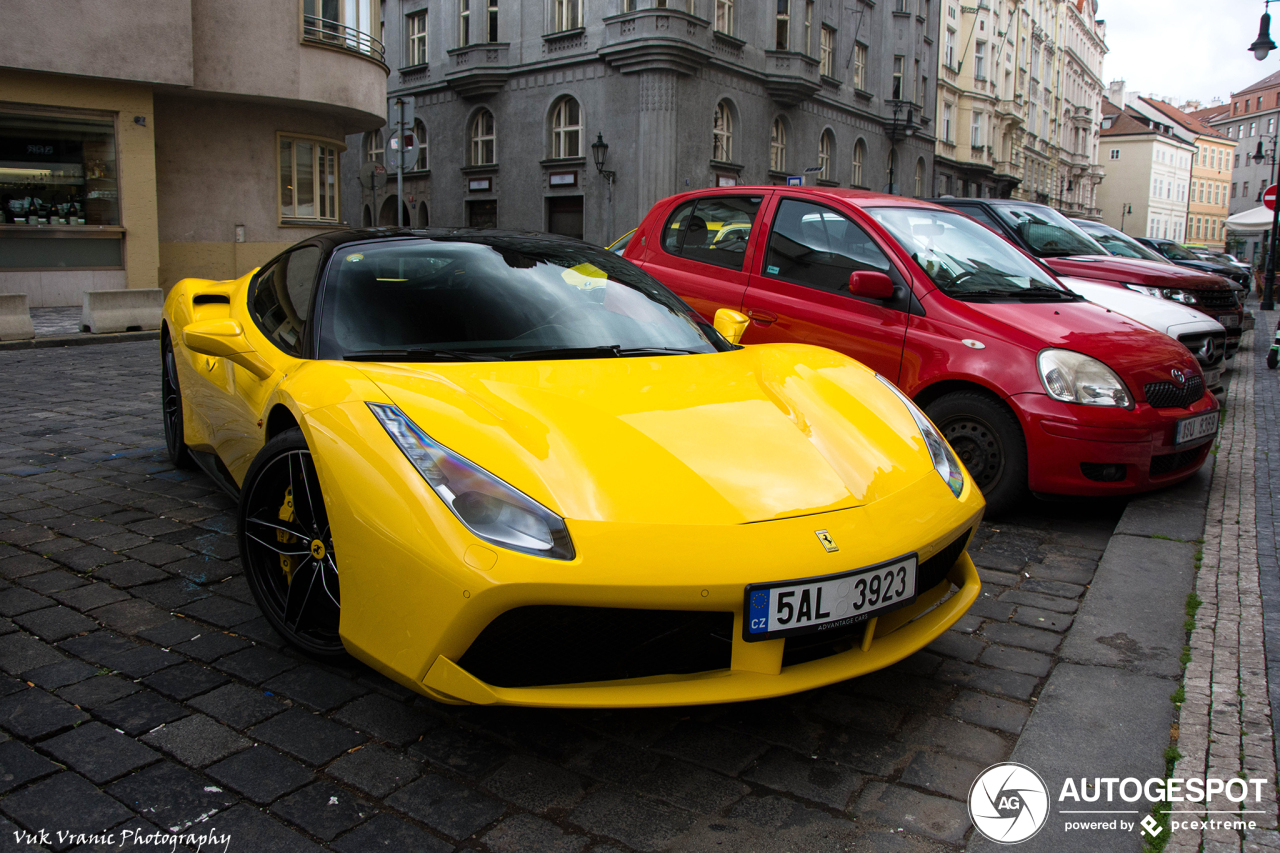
[{"x": 870, "y": 285}]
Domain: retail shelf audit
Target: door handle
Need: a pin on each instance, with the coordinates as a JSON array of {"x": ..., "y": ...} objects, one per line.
[{"x": 764, "y": 318}]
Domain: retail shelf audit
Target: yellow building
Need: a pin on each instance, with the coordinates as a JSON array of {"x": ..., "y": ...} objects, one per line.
[
  {"x": 146, "y": 140},
  {"x": 1208, "y": 196}
]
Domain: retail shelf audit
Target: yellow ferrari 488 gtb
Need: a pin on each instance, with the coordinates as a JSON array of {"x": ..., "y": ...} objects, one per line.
[{"x": 515, "y": 469}]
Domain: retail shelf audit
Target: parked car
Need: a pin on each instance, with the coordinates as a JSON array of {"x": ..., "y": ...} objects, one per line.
[
  {"x": 1204, "y": 336},
  {"x": 619, "y": 245},
  {"x": 1048, "y": 235},
  {"x": 1183, "y": 257},
  {"x": 1033, "y": 386},
  {"x": 1220, "y": 256},
  {"x": 515, "y": 469}
]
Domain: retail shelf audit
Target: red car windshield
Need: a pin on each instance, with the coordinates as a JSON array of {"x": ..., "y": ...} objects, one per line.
[{"x": 1047, "y": 233}]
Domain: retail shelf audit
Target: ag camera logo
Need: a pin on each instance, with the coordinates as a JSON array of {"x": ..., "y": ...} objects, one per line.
[{"x": 1008, "y": 803}]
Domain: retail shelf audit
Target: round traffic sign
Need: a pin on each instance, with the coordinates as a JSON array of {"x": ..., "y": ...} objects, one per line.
[{"x": 1269, "y": 197}]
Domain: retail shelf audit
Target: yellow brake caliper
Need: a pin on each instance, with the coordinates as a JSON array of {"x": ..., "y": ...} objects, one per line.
[{"x": 285, "y": 538}]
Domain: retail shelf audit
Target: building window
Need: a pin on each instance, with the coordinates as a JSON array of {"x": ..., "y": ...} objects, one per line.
[
  {"x": 784, "y": 19},
  {"x": 826, "y": 146},
  {"x": 919, "y": 178},
  {"x": 420, "y": 136},
  {"x": 980, "y": 60},
  {"x": 860, "y": 66},
  {"x": 1115, "y": 153},
  {"x": 949, "y": 51},
  {"x": 724, "y": 16},
  {"x": 350, "y": 25},
  {"x": 975, "y": 130},
  {"x": 807, "y": 47},
  {"x": 722, "y": 134},
  {"x": 1244, "y": 189},
  {"x": 373, "y": 146},
  {"x": 464, "y": 22},
  {"x": 566, "y": 15},
  {"x": 630, "y": 5},
  {"x": 1231, "y": 133},
  {"x": 566, "y": 129},
  {"x": 416, "y": 27},
  {"x": 491, "y": 31},
  {"x": 859, "y": 156},
  {"x": 483, "y": 140},
  {"x": 308, "y": 179},
  {"x": 827, "y": 52},
  {"x": 1233, "y": 189},
  {"x": 1253, "y": 127},
  {"x": 946, "y": 124},
  {"x": 778, "y": 146},
  {"x": 897, "y": 79}
]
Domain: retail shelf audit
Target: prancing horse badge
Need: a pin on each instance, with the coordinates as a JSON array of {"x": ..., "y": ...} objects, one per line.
[{"x": 827, "y": 542}]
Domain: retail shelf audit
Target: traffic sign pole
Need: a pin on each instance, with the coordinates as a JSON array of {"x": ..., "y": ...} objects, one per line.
[{"x": 1269, "y": 283}]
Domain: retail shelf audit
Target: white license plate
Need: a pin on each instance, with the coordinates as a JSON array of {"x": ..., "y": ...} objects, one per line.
[
  {"x": 1230, "y": 321},
  {"x": 1189, "y": 429},
  {"x": 787, "y": 608},
  {"x": 1212, "y": 377}
]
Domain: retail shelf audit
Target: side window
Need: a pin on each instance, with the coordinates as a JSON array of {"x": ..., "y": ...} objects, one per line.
[
  {"x": 282, "y": 297},
  {"x": 982, "y": 216},
  {"x": 712, "y": 230},
  {"x": 819, "y": 248}
]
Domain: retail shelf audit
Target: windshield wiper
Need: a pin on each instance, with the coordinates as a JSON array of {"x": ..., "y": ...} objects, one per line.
[
  {"x": 611, "y": 351},
  {"x": 394, "y": 355}
]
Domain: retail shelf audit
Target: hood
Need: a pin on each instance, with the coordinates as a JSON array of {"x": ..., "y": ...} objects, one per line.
[
  {"x": 1159, "y": 314},
  {"x": 1135, "y": 271},
  {"x": 760, "y": 433},
  {"x": 1134, "y": 351}
]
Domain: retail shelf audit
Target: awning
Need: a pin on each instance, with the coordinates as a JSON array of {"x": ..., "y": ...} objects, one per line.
[{"x": 1258, "y": 219}]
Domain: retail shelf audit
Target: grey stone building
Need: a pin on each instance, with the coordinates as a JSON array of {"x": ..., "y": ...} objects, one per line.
[{"x": 509, "y": 96}]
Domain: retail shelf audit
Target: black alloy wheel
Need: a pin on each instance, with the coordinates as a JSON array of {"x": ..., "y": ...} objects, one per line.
[
  {"x": 171, "y": 407},
  {"x": 286, "y": 546},
  {"x": 989, "y": 441}
]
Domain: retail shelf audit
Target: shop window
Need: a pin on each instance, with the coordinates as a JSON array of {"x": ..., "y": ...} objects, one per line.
[
  {"x": 59, "y": 171},
  {"x": 308, "y": 179},
  {"x": 482, "y": 213},
  {"x": 564, "y": 216}
]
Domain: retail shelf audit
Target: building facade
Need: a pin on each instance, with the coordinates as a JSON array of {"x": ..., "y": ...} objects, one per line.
[
  {"x": 510, "y": 95},
  {"x": 126, "y": 166},
  {"x": 1207, "y": 198},
  {"x": 1148, "y": 176},
  {"x": 1019, "y": 104}
]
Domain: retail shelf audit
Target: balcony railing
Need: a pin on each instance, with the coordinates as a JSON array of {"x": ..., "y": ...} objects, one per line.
[{"x": 333, "y": 34}]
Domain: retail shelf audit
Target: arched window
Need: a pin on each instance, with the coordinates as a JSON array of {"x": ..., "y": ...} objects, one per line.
[
  {"x": 722, "y": 134},
  {"x": 420, "y": 135},
  {"x": 919, "y": 193},
  {"x": 566, "y": 129},
  {"x": 826, "y": 147},
  {"x": 778, "y": 146},
  {"x": 859, "y": 156},
  {"x": 483, "y": 140},
  {"x": 373, "y": 146}
]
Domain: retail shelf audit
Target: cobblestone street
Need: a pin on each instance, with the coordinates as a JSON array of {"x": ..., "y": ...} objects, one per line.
[{"x": 145, "y": 690}]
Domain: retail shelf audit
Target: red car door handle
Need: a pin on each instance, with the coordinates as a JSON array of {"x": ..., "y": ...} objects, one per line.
[{"x": 764, "y": 318}]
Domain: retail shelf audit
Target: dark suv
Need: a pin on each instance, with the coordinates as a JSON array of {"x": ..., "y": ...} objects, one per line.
[
  {"x": 1071, "y": 253},
  {"x": 1183, "y": 257}
]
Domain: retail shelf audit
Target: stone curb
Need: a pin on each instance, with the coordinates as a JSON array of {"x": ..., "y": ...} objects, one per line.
[{"x": 81, "y": 340}]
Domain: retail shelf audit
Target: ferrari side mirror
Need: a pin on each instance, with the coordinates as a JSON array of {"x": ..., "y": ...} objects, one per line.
[
  {"x": 731, "y": 324},
  {"x": 870, "y": 285}
]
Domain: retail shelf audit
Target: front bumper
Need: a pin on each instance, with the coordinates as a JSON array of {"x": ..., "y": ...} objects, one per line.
[
  {"x": 1062, "y": 439},
  {"x": 418, "y": 588}
]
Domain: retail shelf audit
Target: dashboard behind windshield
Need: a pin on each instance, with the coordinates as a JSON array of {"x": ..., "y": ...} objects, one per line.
[{"x": 1047, "y": 233}]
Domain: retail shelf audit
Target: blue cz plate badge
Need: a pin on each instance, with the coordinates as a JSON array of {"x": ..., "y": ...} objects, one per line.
[{"x": 790, "y": 608}]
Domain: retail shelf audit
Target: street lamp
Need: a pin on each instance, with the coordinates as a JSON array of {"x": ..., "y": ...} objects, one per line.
[
  {"x": 600, "y": 150},
  {"x": 905, "y": 129},
  {"x": 1263, "y": 44},
  {"x": 1269, "y": 282},
  {"x": 1125, "y": 210}
]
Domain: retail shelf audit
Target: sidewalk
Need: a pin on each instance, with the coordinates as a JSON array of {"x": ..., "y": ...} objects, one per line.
[{"x": 1224, "y": 727}]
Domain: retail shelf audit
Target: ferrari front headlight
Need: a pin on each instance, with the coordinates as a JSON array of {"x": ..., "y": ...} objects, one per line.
[
  {"x": 491, "y": 509},
  {"x": 944, "y": 458},
  {"x": 1076, "y": 378}
]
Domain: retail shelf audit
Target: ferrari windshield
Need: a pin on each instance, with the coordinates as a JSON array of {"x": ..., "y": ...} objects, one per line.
[
  {"x": 1120, "y": 244},
  {"x": 1047, "y": 233},
  {"x": 499, "y": 297},
  {"x": 964, "y": 259}
]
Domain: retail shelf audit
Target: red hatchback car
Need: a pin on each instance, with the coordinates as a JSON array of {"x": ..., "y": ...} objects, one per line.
[{"x": 1033, "y": 386}]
